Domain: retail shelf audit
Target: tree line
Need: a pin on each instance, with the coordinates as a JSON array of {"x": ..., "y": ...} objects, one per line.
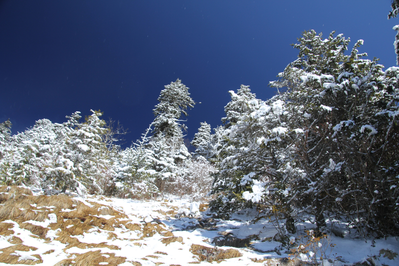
[{"x": 323, "y": 148}]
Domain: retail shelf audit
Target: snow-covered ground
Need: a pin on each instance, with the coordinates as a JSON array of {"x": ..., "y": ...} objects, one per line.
[{"x": 59, "y": 230}]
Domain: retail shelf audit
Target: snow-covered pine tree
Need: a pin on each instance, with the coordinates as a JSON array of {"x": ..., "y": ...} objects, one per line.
[
  {"x": 91, "y": 156},
  {"x": 238, "y": 105},
  {"x": 167, "y": 141},
  {"x": 396, "y": 43},
  {"x": 174, "y": 100},
  {"x": 318, "y": 62},
  {"x": 336, "y": 99},
  {"x": 247, "y": 159},
  {"x": 394, "y": 9},
  {"x": 136, "y": 177},
  {"x": 152, "y": 163},
  {"x": 5, "y": 132},
  {"x": 7, "y": 153},
  {"x": 255, "y": 162},
  {"x": 58, "y": 157},
  {"x": 202, "y": 141},
  {"x": 392, "y": 14},
  {"x": 33, "y": 153}
]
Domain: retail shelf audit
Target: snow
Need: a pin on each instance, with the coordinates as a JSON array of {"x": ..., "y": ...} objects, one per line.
[
  {"x": 278, "y": 107},
  {"x": 52, "y": 219},
  {"x": 329, "y": 78},
  {"x": 279, "y": 130},
  {"x": 261, "y": 140},
  {"x": 329, "y": 85},
  {"x": 392, "y": 68},
  {"x": 327, "y": 108},
  {"x": 310, "y": 77},
  {"x": 23, "y": 255},
  {"x": 306, "y": 115},
  {"x": 84, "y": 147},
  {"x": 247, "y": 178},
  {"x": 345, "y": 75},
  {"x": 258, "y": 190},
  {"x": 372, "y": 130},
  {"x": 186, "y": 230}
]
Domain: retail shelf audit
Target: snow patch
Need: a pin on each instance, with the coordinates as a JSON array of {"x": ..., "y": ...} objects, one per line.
[
  {"x": 373, "y": 131},
  {"x": 279, "y": 130},
  {"x": 327, "y": 108},
  {"x": 278, "y": 107},
  {"x": 258, "y": 190},
  {"x": 247, "y": 178},
  {"x": 83, "y": 147}
]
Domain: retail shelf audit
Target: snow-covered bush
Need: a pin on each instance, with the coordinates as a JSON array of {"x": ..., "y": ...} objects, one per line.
[
  {"x": 345, "y": 106},
  {"x": 202, "y": 141},
  {"x": 253, "y": 153},
  {"x": 56, "y": 157},
  {"x": 326, "y": 145},
  {"x": 194, "y": 179},
  {"x": 135, "y": 178}
]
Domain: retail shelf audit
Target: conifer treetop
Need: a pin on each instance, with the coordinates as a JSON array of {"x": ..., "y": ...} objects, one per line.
[{"x": 174, "y": 100}]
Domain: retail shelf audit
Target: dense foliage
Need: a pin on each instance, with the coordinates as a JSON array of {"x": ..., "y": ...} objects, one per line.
[
  {"x": 59, "y": 157},
  {"x": 325, "y": 146}
]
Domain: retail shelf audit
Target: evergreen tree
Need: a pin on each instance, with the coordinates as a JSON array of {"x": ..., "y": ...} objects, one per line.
[
  {"x": 202, "y": 140},
  {"x": 392, "y": 14},
  {"x": 135, "y": 174},
  {"x": 318, "y": 62},
  {"x": 88, "y": 150},
  {"x": 241, "y": 102},
  {"x": 167, "y": 143},
  {"x": 5, "y": 131},
  {"x": 247, "y": 159},
  {"x": 173, "y": 102},
  {"x": 56, "y": 157},
  {"x": 396, "y": 43},
  {"x": 395, "y": 9},
  {"x": 335, "y": 99},
  {"x": 325, "y": 145},
  {"x": 33, "y": 153},
  {"x": 154, "y": 162}
]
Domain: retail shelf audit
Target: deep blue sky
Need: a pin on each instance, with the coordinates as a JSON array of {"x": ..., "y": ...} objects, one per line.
[{"x": 57, "y": 57}]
